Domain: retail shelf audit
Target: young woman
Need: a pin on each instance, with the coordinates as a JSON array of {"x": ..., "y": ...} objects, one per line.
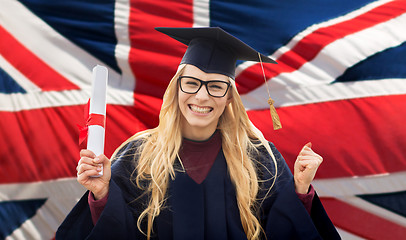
[{"x": 205, "y": 172}]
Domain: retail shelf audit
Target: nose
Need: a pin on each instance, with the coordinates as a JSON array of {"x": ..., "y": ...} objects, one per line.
[{"x": 202, "y": 94}]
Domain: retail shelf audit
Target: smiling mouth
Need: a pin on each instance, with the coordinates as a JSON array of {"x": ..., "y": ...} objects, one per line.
[{"x": 202, "y": 110}]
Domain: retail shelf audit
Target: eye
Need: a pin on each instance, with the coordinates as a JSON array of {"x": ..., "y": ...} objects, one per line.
[
  {"x": 192, "y": 83},
  {"x": 217, "y": 86}
]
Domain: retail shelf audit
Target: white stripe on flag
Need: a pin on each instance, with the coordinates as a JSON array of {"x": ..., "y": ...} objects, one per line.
[
  {"x": 257, "y": 99},
  {"x": 311, "y": 83},
  {"x": 332, "y": 61},
  {"x": 122, "y": 51},
  {"x": 374, "y": 209},
  {"x": 35, "y": 100},
  {"x": 350, "y": 186},
  {"x": 201, "y": 13},
  {"x": 69, "y": 60},
  {"x": 279, "y": 52},
  {"x": 347, "y": 235},
  {"x": 25, "y": 83}
]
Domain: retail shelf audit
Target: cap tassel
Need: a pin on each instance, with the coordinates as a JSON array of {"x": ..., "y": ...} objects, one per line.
[
  {"x": 275, "y": 117},
  {"x": 276, "y": 122}
]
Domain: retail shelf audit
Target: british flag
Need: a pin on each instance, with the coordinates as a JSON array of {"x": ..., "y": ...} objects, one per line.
[{"x": 340, "y": 83}]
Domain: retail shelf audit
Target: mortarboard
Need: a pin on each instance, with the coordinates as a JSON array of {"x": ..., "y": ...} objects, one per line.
[{"x": 213, "y": 50}]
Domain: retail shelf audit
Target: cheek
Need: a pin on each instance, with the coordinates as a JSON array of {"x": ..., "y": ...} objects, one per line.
[
  {"x": 221, "y": 105},
  {"x": 182, "y": 100}
]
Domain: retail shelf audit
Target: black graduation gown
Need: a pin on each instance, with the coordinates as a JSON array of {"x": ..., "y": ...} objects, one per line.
[{"x": 199, "y": 211}]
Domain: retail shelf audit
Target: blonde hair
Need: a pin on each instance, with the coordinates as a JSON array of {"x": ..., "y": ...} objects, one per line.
[{"x": 160, "y": 146}]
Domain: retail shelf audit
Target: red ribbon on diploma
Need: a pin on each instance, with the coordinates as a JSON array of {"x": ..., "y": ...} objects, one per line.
[{"x": 92, "y": 119}]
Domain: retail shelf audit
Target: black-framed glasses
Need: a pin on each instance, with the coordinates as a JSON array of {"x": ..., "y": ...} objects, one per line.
[{"x": 215, "y": 88}]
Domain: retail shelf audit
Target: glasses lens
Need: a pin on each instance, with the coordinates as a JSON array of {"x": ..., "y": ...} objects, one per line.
[
  {"x": 217, "y": 88},
  {"x": 189, "y": 85},
  {"x": 192, "y": 85}
]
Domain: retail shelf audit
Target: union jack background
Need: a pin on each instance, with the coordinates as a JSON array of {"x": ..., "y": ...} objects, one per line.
[{"x": 340, "y": 83}]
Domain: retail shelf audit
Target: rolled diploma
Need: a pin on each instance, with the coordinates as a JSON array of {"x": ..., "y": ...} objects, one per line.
[{"x": 95, "y": 139}]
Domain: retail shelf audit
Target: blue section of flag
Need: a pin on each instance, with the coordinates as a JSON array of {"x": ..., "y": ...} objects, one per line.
[
  {"x": 390, "y": 201},
  {"x": 8, "y": 85},
  {"x": 268, "y": 25},
  {"x": 390, "y": 63},
  {"x": 89, "y": 24},
  {"x": 15, "y": 213}
]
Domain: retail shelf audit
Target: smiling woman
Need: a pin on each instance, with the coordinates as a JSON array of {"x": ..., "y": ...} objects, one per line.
[
  {"x": 205, "y": 172},
  {"x": 200, "y": 109}
]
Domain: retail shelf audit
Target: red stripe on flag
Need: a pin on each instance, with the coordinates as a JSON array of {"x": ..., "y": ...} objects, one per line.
[
  {"x": 360, "y": 222},
  {"x": 148, "y": 109},
  {"x": 308, "y": 47},
  {"x": 32, "y": 67},
  {"x": 42, "y": 144},
  {"x": 355, "y": 137},
  {"x": 150, "y": 46}
]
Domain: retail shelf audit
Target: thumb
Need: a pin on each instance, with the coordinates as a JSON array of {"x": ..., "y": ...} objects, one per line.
[
  {"x": 106, "y": 164},
  {"x": 101, "y": 159},
  {"x": 309, "y": 145}
]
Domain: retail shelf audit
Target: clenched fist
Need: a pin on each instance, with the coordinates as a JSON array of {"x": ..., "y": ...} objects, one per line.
[{"x": 305, "y": 168}]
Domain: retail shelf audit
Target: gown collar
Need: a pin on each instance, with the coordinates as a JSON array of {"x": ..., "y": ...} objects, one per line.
[{"x": 198, "y": 157}]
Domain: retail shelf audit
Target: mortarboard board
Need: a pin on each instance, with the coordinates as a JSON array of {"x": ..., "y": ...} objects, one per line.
[{"x": 213, "y": 50}]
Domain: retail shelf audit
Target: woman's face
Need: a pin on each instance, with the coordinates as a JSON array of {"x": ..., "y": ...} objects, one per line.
[{"x": 200, "y": 111}]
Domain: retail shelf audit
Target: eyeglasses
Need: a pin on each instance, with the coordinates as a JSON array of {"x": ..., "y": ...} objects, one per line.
[{"x": 215, "y": 88}]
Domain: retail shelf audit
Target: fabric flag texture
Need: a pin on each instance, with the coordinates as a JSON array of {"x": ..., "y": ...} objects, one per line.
[{"x": 340, "y": 82}]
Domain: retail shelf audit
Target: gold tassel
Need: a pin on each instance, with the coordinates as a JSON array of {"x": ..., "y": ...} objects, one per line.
[{"x": 275, "y": 118}]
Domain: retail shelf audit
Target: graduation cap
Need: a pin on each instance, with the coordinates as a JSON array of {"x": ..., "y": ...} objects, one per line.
[{"x": 213, "y": 50}]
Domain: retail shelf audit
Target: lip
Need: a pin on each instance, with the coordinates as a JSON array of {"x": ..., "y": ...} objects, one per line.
[{"x": 200, "y": 110}]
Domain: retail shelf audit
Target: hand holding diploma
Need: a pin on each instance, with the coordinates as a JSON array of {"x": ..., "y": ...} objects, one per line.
[
  {"x": 93, "y": 161},
  {"x": 97, "y": 110},
  {"x": 89, "y": 165}
]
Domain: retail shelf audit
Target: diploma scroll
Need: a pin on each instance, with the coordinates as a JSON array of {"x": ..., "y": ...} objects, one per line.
[{"x": 95, "y": 138}]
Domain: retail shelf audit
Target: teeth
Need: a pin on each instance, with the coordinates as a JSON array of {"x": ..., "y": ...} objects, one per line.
[{"x": 200, "y": 109}]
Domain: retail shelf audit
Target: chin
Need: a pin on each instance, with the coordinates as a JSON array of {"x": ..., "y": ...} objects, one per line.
[{"x": 200, "y": 123}]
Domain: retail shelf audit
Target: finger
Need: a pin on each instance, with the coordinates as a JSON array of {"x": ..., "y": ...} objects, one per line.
[
  {"x": 87, "y": 153},
  {"x": 305, "y": 148},
  {"x": 86, "y": 161},
  {"x": 308, "y": 166},
  {"x": 87, "y": 167},
  {"x": 306, "y": 152},
  {"x": 317, "y": 159},
  {"x": 84, "y": 176},
  {"x": 309, "y": 152},
  {"x": 102, "y": 159},
  {"x": 308, "y": 162}
]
